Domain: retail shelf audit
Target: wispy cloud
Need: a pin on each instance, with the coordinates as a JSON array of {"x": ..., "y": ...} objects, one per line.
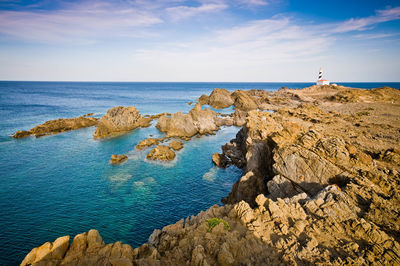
[
  {"x": 75, "y": 23},
  {"x": 361, "y": 24},
  {"x": 252, "y": 3},
  {"x": 182, "y": 12}
]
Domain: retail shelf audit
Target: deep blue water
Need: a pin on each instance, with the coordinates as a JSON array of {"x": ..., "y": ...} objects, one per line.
[{"x": 64, "y": 185}]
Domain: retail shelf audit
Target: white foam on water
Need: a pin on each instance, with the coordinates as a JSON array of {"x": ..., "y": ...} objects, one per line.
[{"x": 211, "y": 174}]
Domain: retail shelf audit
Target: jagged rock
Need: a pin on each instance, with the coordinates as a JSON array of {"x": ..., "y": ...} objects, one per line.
[
  {"x": 239, "y": 117},
  {"x": 320, "y": 186},
  {"x": 220, "y": 98},
  {"x": 161, "y": 153},
  {"x": 178, "y": 125},
  {"x": 204, "y": 120},
  {"x": 58, "y": 126},
  {"x": 117, "y": 159},
  {"x": 176, "y": 145},
  {"x": 244, "y": 101},
  {"x": 120, "y": 120},
  {"x": 187, "y": 125},
  {"x": 219, "y": 159}
]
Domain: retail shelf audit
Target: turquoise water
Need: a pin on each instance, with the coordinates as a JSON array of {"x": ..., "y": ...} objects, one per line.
[{"x": 64, "y": 185}]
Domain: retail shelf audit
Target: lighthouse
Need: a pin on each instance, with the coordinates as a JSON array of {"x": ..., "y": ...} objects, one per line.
[{"x": 320, "y": 80}]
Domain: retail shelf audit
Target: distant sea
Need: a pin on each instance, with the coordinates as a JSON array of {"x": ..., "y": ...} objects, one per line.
[{"x": 64, "y": 184}]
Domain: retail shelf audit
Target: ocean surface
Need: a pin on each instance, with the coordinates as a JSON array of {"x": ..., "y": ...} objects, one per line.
[{"x": 64, "y": 184}]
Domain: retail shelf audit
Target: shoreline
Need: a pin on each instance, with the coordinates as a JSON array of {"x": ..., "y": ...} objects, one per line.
[{"x": 320, "y": 122}]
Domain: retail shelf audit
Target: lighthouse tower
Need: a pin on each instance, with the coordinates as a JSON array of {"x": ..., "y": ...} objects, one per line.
[{"x": 320, "y": 80}]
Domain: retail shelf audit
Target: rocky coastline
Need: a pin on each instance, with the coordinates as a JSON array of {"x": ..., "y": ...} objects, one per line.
[{"x": 321, "y": 183}]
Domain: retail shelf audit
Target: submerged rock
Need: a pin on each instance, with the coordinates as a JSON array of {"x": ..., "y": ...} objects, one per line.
[
  {"x": 58, "y": 126},
  {"x": 120, "y": 120},
  {"x": 161, "y": 153},
  {"x": 117, "y": 159}
]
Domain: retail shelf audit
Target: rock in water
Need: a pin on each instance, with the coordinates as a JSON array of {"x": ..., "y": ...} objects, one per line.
[
  {"x": 220, "y": 98},
  {"x": 119, "y": 120},
  {"x": 176, "y": 145},
  {"x": 161, "y": 153},
  {"x": 219, "y": 160},
  {"x": 143, "y": 144},
  {"x": 179, "y": 125},
  {"x": 117, "y": 159},
  {"x": 58, "y": 126}
]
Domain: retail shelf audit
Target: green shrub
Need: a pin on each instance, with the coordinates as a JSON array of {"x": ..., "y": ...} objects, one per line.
[{"x": 213, "y": 222}]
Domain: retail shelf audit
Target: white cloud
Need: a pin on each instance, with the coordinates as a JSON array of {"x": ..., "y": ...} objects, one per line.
[
  {"x": 182, "y": 12},
  {"x": 362, "y": 24},
  {"x": 77, "y": 23},
  {"x": 253, "y": 2}
]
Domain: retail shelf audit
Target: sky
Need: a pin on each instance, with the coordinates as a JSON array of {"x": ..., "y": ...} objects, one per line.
[{"x": 202, "y": 40}]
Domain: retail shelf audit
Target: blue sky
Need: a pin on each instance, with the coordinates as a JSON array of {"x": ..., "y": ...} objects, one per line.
[{"x": 203, "y": 40}]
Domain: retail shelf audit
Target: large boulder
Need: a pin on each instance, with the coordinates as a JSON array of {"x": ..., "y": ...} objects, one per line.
[
  {"x": 198, "y": 121},
  {"x": 178, "y": 125},
  {"x": 204, "y": 120},
  {"x": 244, "y": 101},
  {"x": 58, "y": 126},
  {"x": 119, "y": 120},
  {"x": 220, "y": 98},
  {"x": 161, "y": 153}
]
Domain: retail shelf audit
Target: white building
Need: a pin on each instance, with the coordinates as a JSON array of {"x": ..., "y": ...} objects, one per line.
[{"x": 320, "y": 80}]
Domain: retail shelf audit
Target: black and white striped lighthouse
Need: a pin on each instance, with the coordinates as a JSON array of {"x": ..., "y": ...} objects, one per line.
[{"x": 320, "y": 80}]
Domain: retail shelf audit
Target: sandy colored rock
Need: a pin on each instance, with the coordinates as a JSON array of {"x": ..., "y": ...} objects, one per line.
[
  {"x": 320, "y": 186},
  {"x": 161, "y": 153},
  {"x": 220, "y": 98},
  {"x": 198, "y": 121},
  {"x": 244, "y": 101},
  {"x": 58, "y": 126},
  {"x": 177, "y": 125},
  {"x": 176, "y": 145},
  {"x": 219, "y": 160},
  {"x": 143, "y": 144},
  {"x": 204, "y": 120},
  {"x": 203, "y": 99},
  {"x": 118, "y": 159},
  {"x": 119, "y": 120}
]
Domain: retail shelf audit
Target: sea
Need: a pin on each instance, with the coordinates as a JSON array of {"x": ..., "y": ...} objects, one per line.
[{"x": 64, "y": 184}]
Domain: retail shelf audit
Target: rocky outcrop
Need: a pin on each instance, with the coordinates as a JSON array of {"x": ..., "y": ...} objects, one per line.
[
  {"x": 321, "y": 185},
  {"x": 119, "y": 120},
  {"x": 220, "y": 98},
  {"x": 176, "y": 145},
  {"x": 244, "y": 101},
  {"x": 86, "y": 249},
  {"x": 58, "y": 126},
  {"x": 161, "y": 153},
  {"x": 118, "y": 159},
  {"x": 197, "y": 121}
]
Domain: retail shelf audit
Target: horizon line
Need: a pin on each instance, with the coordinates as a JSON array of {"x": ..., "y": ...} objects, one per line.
[{"x": 107, "y": 81}]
